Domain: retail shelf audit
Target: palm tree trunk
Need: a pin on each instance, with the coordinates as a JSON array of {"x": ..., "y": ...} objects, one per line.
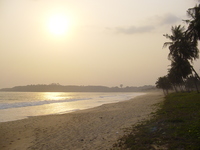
[
  {"x": 174, "y": 86},
  {"x": 195, "y": 83},
  {"x": 167, "y": 91},
  {"x": 195, "y": 72},
  {"x": 181, "y": 88},
  {"x": 164, "y": 92},
  {"x": 198, "y": 78}
]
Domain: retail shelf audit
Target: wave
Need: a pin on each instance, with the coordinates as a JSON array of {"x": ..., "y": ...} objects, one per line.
[
  {"x": 36, "y": 103},
  {"x": 98, "y": 98}
]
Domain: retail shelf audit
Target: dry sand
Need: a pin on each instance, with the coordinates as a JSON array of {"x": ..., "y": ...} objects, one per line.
[{"x": 92, "y": 129}]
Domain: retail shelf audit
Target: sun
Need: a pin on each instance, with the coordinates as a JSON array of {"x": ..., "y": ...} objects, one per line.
[{"x": 58, "y": 24}]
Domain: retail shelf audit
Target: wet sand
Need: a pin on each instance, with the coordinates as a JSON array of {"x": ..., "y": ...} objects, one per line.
[{"x": 92, "y": 129}]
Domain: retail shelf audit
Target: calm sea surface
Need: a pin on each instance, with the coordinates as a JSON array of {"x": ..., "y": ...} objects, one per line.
[{"x": 20, "y": 105}]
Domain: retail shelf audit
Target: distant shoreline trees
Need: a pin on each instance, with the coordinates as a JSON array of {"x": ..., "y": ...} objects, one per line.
[
  {"x": 183, "y": 50},
  {"x": 55, "y": 87}
]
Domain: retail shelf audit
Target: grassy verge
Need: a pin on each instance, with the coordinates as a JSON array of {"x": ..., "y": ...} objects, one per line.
[{"x": 175, "y": 126}]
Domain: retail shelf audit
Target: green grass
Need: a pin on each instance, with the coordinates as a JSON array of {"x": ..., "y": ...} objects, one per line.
[{"x": 175, "y": 126}]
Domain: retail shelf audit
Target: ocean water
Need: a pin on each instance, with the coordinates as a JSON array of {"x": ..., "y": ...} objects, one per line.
[{"x": 20, "y": 105}]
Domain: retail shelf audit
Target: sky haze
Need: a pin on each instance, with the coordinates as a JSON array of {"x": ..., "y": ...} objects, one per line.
[{"x": 90, "y": 42}]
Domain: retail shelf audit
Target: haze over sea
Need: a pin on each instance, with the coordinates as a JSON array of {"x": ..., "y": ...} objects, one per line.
[{"x": 20, "y": 105}]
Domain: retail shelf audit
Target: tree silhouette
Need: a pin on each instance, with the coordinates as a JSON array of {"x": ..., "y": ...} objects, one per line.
[
  {"x": 180, "y": 45},
  {"x": 192, "y": 83},
  {"x": 164, "y": 84},
  {"x": 182, "y": 52},
  {"x": 180, "y": 70},
  {"x": 194, "y": 23},
  {"x": 174, "y": 79}
]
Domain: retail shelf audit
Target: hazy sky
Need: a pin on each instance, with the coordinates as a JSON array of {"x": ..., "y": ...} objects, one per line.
[{"x": 86, "y": 42}]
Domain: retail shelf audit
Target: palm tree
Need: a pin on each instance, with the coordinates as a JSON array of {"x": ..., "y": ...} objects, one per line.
[
  {"x": 174, "y": 78},
  {"x": 193, "y": 31},
  {"x": 164, "y": 84},
  {"x": 177, "y": 34},
  {"x": 191, "y": 83},
  {"x": 194, "y": 23},
  {"x": 181, "y": 47},
  {"x": 182, "y": 67},
  {"x": 180, "y": 70}
]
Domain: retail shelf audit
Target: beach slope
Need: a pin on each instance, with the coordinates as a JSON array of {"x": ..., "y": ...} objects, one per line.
[{"x": 95, "y": 129}]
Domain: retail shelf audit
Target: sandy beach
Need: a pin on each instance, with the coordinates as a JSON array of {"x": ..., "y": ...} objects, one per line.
[{"x": 92, "y": 129}]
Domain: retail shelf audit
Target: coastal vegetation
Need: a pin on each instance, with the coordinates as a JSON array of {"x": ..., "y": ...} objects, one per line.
[
  {"x": 176, "y": 124},
  {"x": 55, "y": 87},
  {"x": 183, "y": 50}
]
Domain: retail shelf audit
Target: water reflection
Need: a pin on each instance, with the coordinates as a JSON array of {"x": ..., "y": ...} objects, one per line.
[
  {"x": 59, "y": 107},
  {"x": 56, "y": 96},
  {"x": 55, "y": 108},
  {"x": 21, "y": 105}
]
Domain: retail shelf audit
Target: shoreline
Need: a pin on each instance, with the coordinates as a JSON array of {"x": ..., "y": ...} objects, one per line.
[
  {"x": 24, "y": 109},
  {"x": 94, "y": 128}
]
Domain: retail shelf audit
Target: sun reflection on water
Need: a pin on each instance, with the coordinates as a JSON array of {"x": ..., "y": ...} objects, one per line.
[
  {"x": 56, "y": 96},
  {"x": 57, "y": 107}
]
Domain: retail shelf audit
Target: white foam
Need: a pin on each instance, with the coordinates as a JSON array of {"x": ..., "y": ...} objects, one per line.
[
  {"x": 13, "y": 110},
  {"x": 36, "y": 103}
]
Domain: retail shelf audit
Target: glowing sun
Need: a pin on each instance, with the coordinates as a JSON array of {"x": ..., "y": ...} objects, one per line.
[{"x": 58, "y": 24}]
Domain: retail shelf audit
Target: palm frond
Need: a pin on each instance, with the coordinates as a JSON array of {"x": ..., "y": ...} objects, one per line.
[{"x": 166, "y": 44}]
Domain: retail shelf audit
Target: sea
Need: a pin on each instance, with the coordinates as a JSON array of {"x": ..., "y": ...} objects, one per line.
[{"x": 21, "y": 105}]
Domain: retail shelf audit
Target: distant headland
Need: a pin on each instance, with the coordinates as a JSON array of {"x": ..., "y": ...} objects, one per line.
[{"x": 55, "y": 87}]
